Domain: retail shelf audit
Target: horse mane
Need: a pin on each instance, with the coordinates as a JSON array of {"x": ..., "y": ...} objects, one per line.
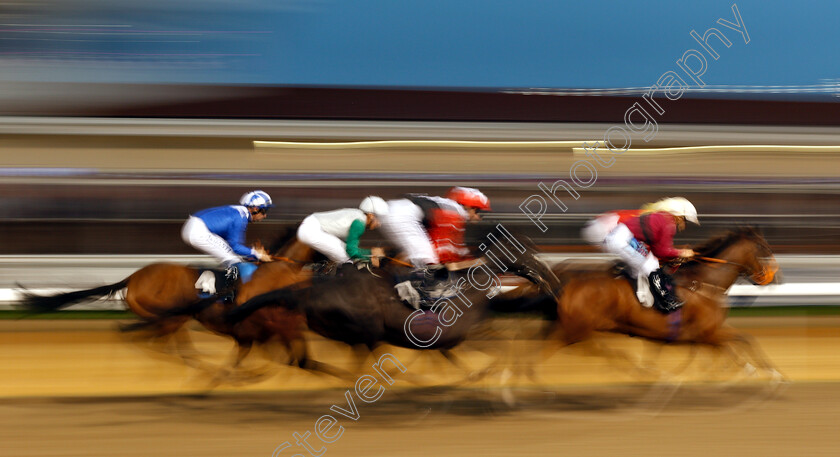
[
  {"x": 715, "y": 245},
  {"x": 286, "y": 235}
]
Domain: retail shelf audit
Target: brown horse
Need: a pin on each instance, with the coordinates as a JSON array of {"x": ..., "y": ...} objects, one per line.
[
  {"x": 601, "y": 301},
  {"x": 164, "y": 296}
]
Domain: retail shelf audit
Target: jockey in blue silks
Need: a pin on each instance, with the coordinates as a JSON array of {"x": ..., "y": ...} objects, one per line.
[{"x": 220, "y": 232}]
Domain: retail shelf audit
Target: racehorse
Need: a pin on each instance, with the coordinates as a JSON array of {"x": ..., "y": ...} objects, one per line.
[
  {"x": 361, "y": 308},
  {"x": 164, "y": 296},
  {"x": 602, "y": 301}
]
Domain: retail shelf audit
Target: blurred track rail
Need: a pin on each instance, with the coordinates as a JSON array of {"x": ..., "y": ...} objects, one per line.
[{"x": 671, "y": 134}]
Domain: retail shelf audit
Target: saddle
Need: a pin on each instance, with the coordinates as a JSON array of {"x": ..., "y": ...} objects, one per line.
[
  {"x": 661, "y": 284},
  {"x": 324, "y": 268}
]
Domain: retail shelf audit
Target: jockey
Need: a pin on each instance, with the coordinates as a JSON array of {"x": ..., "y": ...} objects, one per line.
[
  {"x": 446, "y": 228},
  {"x": 220, "y": 232},
  {"x": 642, "y": 237},
  {"x": 408, "y": 219},
  {"x": 336, "y": 233}
]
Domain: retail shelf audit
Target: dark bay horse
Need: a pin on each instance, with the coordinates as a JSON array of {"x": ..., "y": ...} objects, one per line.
[
  {"x": 601, "y": 301},
  {"x": 362, "y": 309},
  {"x": 164, "y": 296}
]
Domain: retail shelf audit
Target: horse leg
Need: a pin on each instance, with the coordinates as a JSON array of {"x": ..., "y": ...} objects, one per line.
[
  {"x": 750, "y": 358},
  {"x": 553, "y": 342},
  {"x": 361, "y": 353},
  {"x": 648, "y": 364},
  {"x": 760, "y": 357},
  {"x": 754, "y": 354},
  {"x": 186, "y": 350},
  {"x": 317, "y": 367},
  {"x": 243, "y": 348},
  {"x": 299, "y": 352},
  {"x": 166, "y": 337}
]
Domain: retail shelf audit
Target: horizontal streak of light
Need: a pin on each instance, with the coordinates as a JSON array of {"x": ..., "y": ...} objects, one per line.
[
  {"x": 728, "y": 148},
  {"x": 65, "y": 25},
  {"x": 415, "y": 143},
  {"x": 120, "y": 32},
  {"x": 123, "y": 53},
  {"x": 99, "y": 41}
]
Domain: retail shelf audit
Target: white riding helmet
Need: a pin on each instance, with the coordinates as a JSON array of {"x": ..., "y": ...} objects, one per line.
[
  {"x": 374, "y": 205},
  {"x": 256, "y": 199},
  {"x": 678, "y": 206}
]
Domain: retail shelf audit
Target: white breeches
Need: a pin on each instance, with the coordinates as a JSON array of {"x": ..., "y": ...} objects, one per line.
[
  {"x": 311, "y": 234},
  {"x": 617, "y": 239},
  {"x": 196, "y": 234},
  {"x": 404, "y": 228}
]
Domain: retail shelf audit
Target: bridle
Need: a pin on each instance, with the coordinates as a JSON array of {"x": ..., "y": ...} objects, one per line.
[{"x": 761, "y": 277}]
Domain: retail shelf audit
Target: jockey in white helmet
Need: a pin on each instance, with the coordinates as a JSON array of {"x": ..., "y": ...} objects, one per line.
[
  {"x": 336, "y": 233},
  {"x": 220, "y": 232},
  {"x": 641, "y": 238}
]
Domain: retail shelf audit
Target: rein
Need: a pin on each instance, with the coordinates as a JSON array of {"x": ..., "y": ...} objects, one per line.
[
  {"x": 398, "y": 261},
  {"x": 715, "y": 260},
  {"x": 762, "y": 278},
  {"x": 286, "y": 259}
]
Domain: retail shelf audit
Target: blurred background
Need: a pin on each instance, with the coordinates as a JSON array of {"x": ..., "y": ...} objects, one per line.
[{"x": 119, "y": 118}]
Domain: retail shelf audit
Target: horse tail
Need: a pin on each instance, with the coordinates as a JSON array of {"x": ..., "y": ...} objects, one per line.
[
  {"x": 42, "y": 304},
  {"x": 186, "y": 310},
  {"x": 282, "y": 297}
]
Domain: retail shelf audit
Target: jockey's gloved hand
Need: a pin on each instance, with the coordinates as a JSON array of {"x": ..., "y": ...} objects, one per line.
[
  {"x": 262, "y": 255},
  {"x": 687, "y": 253}
]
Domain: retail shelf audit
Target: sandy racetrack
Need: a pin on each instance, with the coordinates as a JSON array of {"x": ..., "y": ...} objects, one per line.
[{"x": 78, "y": 389}]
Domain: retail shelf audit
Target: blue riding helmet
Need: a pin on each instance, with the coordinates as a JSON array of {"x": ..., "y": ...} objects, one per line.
[{"x": 256, "y": 199}]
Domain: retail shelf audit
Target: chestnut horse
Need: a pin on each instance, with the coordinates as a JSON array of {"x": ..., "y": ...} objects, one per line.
[
  {"x": 601, "y": 301},
  {"x": 164, "y": 296}
]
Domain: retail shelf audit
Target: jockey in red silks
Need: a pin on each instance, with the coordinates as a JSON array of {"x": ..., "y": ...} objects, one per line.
[
  {"x": 447, "y": 226},
  {"x": 640, "y": 238},
  {"x": 430, "y": 230}
]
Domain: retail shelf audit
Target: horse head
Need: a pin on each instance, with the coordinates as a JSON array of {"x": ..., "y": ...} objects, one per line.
[
  {"x": 746, "y": 250},
  {"x": 515, "y": 253}
]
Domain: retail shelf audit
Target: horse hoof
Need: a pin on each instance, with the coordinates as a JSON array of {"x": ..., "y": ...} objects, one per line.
[
  {"x": 777, "y": 378},
  {"x": 506, "y": 375},
  {"x": 508, "y": 397}
]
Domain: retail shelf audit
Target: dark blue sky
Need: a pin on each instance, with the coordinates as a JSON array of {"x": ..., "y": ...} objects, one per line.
[{"x": 430, "y": 43}]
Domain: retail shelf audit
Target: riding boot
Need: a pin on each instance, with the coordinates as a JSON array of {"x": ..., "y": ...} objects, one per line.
[
  {"x": 231, "y": 276},
  {"x": 662, "y": 285},
  {"x": 435, "y": 279}
]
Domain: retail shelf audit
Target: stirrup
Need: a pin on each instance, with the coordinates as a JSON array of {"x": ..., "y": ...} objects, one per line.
[{"x": 231, "y": 275}]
